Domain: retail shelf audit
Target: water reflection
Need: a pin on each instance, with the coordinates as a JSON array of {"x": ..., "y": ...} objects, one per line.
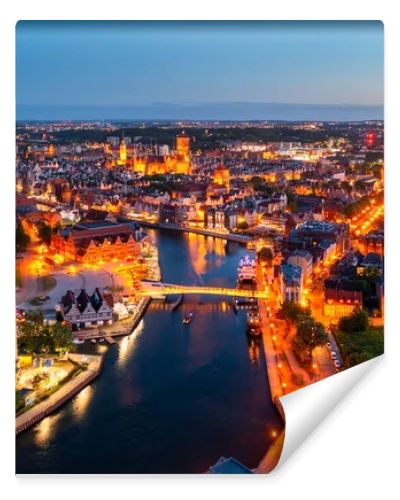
[
  {"x": 254, "y": 352},
  {"x": 46, "y": 429},
  {"x": 81, "y": 402},
  {"x": 200, "y": 247},
  {"x": 128, "y": 344}
]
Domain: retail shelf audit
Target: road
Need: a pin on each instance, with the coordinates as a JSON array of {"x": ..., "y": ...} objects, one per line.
[{"x": 284, "y": 370}]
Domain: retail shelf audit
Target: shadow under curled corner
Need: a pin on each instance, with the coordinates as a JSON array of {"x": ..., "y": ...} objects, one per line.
[{"x": 305, "y": 409}]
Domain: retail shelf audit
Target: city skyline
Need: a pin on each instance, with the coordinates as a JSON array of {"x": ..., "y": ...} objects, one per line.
[{"x": 200, "y": 70}]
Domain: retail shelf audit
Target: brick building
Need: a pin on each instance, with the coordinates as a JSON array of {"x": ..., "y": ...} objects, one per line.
[{"x": 97, "y": 241}]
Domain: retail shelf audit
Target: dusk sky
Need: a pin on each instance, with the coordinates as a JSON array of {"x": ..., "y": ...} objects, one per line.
[{"x": 77, "y": 70}]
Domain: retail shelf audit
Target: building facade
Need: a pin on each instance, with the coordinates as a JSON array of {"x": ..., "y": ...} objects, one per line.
[
  {"x": 102, "y": 242},
  {"x": 84, "y": 311},
  {"x": 291, "y": 283}
]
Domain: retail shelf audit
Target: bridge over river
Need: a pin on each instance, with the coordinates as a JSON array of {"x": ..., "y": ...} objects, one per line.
[{"x": 154, "y": 289}]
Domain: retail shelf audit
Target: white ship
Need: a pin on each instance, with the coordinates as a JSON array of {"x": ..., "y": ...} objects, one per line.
[{"x": 247, "y": 270}]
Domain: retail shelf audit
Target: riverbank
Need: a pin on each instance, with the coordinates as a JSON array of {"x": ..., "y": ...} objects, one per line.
[
  {"x": 66, "y": 392},
  {"x": 274, "y": 452},
  {"x": 238, "y": 238},
  {"x": 115, "y": 329}
]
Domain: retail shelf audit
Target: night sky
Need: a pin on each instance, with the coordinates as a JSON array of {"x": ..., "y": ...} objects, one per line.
[{"x": 172, "y": 70}]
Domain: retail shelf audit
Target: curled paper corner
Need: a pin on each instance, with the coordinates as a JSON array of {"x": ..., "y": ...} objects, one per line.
[{"x": 305, "y": 409}]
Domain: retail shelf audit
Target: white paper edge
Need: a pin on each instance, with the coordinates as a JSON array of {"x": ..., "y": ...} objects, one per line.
[{"x": 306, "y": 408}]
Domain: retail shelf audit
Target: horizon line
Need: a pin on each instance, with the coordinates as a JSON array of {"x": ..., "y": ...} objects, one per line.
[{"x": 238, "y": 111}]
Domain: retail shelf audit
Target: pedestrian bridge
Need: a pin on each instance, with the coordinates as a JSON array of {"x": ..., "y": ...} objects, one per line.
[{"x": 153, "y": 289}]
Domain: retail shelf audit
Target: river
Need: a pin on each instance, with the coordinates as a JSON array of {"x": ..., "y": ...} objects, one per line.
[{"x": 171, "y": 398}]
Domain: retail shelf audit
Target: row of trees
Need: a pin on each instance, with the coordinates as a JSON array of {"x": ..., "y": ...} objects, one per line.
[
  {"x": 39, "y": 339},
  {"x": 356, "y": 207},
  {"x": 309, "y": 333}
]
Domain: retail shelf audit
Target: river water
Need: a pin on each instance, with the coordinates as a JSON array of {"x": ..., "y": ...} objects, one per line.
[{"x": 171, "y": 398}]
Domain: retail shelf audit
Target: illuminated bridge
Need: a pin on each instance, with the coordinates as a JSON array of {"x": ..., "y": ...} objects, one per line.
[{"x": 152, "y": 289}]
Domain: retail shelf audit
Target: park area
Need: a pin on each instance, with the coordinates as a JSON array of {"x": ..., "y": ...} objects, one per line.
[
  {"x": 359, "y": 346},
  {"x": 37, "y": 378}
]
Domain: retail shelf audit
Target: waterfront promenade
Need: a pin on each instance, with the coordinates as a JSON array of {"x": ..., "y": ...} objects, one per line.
[{"x": 66, "y": 392}]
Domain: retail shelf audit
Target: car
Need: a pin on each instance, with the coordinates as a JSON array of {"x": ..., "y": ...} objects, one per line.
[
  {"x": 337, "y": 363},
  {"x": 333, "y": 355}
]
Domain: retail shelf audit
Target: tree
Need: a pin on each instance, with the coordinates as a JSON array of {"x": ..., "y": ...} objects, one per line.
[
  {"x": 37, "y": 381},
  {"x": 22, "y": 239},
  {"x": 62, "y": 338},
  {"x": 359, "y": 185},
  {"x": 291, "y": 201},
  {"x": 36, "y": 338},
  {"x": 259, "y": 184},
  {"x": 265, "y": 255},
  {"x": 357, "y": 322},
  {"x": 309, "y": 335},
  {"x": 293, "y": 312},
  {"x": 44, "y": 233},
  {"x": 32, "y": 324},
  {"x": 346, "y": 186},
  {"x": 243, "y": 225}
]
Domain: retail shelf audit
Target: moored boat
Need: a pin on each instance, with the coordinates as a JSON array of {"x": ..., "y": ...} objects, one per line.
[{"x": 78, "y": 341}]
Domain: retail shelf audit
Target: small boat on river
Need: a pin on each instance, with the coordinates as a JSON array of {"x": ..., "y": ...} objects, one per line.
[{"x": 187, "y": 319}]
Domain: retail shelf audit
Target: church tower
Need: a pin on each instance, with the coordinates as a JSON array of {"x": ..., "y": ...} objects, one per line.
[
  {"x": 122, "y": 151},
  {"x": 222, "y": 176},
  {"x": 183, "y": 144},
  {"x": 182, "y": 163}
]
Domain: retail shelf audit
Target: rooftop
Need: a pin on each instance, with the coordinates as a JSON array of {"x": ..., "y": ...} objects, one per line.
[{"x": 291, "y": 274}]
